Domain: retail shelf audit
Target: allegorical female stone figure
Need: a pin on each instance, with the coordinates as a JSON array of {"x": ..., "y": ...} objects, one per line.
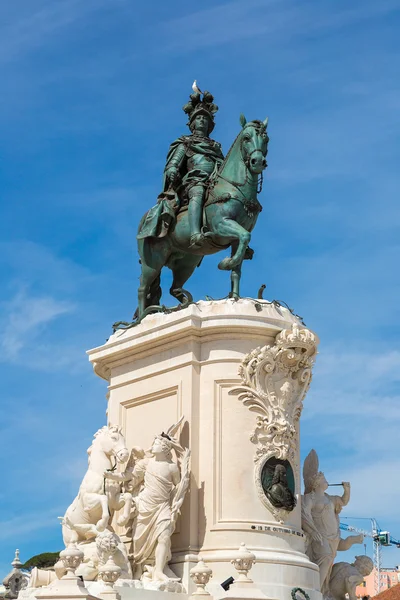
[
  {"x": 320, "y": 520},
  {"x": 163, "y": 487}
]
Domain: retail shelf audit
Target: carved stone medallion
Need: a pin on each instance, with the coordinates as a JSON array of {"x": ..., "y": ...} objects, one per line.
[
  {"x": 275, "y": 380},
  {"x": 276, "y": 485}
]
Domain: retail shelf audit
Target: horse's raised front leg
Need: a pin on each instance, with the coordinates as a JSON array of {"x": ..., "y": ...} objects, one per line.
[
  {"x": 82, "y": 531},
  {"x": 125, "y": 501},
  {"x": 236, "y": 233},
  {"x": 92, "y": 501}
]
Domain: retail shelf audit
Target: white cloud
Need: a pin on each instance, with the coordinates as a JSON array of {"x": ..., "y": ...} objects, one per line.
[
  {"x": 280, "y": 22},
  {"x": 374, "y": 489},
  {"x": 38, "y": 265},
  {"x": 33, "y": 24},
  {"x": 45, "y": 291},
  {"x": 22, "y": 527},
  {"x": 360, "y": 376},
  {"x": 351, "y": 417},
  {"x": 24, "y": 317}
]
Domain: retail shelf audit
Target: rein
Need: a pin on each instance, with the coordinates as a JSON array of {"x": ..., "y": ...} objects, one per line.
[
  {"x": 237, "y": 184},
  {"x": 109, "y": 471},
  {"x": 234, "y": 183},
  {"x": 260, "y": 180},
  {"x": 260, "y": 183},
  {"x": 247, "y": 163}
]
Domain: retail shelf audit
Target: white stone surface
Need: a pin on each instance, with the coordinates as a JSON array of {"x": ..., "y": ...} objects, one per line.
[
  {"x": 86, "y": 520},
  {"x": 320, "y": 520},
  {"x": 98, "y": 496},
  {"x": 201, "y": 575},
  {"x": 131, "y": 593},
  {"x": 109, "y": 573},
  {"x": 346, "y": 577},
  {"x": 69, "y": 587},
  {"x": 275, "y": 380},
  {"x": 41, "y": 577},
  {"x": 244, "y": 590},
  {"x": 243, "y": 587},
  {"x": 16, "y": 580},
  {"x": 187, "y": 363},
  {"x": 160, "y": 485}
]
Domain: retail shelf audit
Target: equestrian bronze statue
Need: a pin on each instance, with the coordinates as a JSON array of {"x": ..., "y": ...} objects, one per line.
[{"x": 209, "y": 203}]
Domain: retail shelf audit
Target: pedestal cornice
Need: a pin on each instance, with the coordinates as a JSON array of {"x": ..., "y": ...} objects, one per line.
[{"x": 205, "y": 320}]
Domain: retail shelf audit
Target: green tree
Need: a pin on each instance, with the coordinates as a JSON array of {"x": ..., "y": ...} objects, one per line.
[{"x": 41, "y": 561}]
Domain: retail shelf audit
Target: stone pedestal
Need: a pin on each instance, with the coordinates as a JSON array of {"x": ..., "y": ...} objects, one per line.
[
  {"x": 69, "y": 587},
  {"x": 188, "y": 363},
  {"x": 66, "y": 588}
]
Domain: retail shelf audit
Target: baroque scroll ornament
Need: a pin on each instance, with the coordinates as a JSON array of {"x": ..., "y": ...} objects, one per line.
[{"x": 275, "y": 380}]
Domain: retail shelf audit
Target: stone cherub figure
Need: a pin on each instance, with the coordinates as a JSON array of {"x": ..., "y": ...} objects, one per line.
[
  {"x": 190, "y": 162},
  {"x": 346, "y": 577},
  {"x": 320, "y": 520}
]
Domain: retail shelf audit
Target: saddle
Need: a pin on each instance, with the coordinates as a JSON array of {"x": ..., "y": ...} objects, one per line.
[{"x": 158, "y": 220}]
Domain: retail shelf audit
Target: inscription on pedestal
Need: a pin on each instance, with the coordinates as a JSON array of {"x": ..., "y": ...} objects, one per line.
[{"x": 277, "y": 529}]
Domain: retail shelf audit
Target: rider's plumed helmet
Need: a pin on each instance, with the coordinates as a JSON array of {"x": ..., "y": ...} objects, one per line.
[{"x": 201, "y": 103}]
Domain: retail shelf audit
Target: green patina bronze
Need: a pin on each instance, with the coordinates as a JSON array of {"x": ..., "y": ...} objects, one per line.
[
  {"x": 208, "y": 203},
  {"x": 277, "y": 480}
]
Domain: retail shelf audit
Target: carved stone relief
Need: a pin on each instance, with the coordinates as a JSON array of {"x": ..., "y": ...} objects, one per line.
[{"x": 275, "y": 380}]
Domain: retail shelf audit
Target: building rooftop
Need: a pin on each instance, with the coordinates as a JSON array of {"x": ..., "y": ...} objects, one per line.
[{"x": 392, "y": 593}]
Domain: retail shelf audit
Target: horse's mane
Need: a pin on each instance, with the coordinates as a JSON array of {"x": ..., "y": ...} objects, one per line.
[
  {"x": 110, "y": 428},
  {"x": 257, "y": 125},
  {"x": 229, "y": 151}
]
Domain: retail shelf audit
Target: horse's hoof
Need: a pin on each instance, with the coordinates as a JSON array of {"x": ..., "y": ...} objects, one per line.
[
  {"x": 226, "y": 264},
  {"x": 101, "y": 525},
  {"x": 122, "y": 521},
  {"x": 159, "y": 576}
]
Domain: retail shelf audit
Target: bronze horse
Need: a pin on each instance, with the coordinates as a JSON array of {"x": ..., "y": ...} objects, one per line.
[{"x": 230, "y": 213}]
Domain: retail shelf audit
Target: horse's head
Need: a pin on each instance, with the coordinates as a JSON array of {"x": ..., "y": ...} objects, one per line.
[
  {"x": 254, "y": 144},
  {"x": 111, "y": 441}
]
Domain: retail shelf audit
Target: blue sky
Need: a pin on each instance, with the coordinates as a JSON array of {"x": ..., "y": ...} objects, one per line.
[{"x": 91, "y": 98}]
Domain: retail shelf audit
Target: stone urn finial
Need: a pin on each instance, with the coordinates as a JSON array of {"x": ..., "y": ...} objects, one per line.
[
  {"x": 16, "y": 563},
  {"x": 243, "y": 562},
  {"x": 108, "y": 574},
  {"x": 200, "y": 575},
  {"x": 71, "y": 558},
  {"x": 16, "y": 580}
]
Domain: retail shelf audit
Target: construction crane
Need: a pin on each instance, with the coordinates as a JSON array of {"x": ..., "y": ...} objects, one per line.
[{"x": 380, "y": 538}]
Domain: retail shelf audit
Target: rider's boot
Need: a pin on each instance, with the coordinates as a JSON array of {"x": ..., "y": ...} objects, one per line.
[{"x": 195, "y": 211}]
